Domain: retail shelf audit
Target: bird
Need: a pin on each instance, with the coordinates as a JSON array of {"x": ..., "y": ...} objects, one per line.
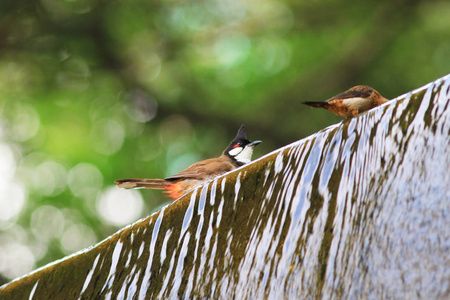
[
  {"x": 352, "y": 102},
  {"x": 238, "y": 153}
]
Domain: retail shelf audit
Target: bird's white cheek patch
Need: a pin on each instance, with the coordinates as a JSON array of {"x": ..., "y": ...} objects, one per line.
[
  {"x": 235, "y": 151},
  {"x": 245, "y": 156}
]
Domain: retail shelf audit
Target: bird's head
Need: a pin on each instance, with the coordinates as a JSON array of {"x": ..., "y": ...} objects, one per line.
[{"x": 241, "y": 148}]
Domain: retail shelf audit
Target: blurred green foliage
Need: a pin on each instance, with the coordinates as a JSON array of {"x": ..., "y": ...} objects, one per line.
[{"x": 93, "y": 91}]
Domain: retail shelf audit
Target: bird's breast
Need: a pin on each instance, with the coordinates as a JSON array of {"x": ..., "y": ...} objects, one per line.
[{"x": 357, "y": 103}]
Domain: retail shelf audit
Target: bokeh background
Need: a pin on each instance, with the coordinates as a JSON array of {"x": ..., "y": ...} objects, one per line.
[{"x": 93, "y": 91}]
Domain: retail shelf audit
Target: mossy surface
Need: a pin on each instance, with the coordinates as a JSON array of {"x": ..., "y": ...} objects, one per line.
[{"x": 358, "y": 210}]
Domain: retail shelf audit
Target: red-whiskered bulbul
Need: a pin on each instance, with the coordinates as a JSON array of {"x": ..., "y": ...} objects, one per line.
[
  {"x": 238, "y": 153},
  {"x": 352, "y": 102}
]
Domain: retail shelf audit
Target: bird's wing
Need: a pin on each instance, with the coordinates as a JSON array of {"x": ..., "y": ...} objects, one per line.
[
  {"x": 204, "y": 169},
  {"x": 357, "y": 92}
]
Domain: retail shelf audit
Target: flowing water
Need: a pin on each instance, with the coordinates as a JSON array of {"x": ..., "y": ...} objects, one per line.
[{"x": 359, "y": 210}]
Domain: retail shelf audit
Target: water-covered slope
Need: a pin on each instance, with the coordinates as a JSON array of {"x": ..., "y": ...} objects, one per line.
[{"x": 359, "y": 210}]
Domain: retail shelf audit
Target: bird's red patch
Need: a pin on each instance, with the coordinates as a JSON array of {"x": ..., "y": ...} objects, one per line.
[{"x": 174, "y": 190}]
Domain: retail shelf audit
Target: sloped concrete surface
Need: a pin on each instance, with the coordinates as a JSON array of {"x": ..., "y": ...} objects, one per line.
[{"x": 359, "y": 210}]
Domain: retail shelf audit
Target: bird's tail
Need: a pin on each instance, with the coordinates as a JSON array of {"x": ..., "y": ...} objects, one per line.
[
  {"x": 131, "y": 183},
  {"x": 317, "y": 104}
]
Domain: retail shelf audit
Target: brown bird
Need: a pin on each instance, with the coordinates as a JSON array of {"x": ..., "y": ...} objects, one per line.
[
  {"x": 352, "y": 102},
  {"x": 238, "y": 153}
]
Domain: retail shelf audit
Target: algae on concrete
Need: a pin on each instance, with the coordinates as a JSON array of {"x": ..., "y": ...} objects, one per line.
[{"x": 358, "y": 210}]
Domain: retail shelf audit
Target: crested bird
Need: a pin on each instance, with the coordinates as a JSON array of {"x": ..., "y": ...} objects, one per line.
[
  {"x": 238, "y": 153},
  {"x": 352, "y": 102}
]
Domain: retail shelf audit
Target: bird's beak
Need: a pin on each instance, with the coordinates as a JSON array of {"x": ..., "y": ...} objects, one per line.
[{"x": 253, "y": 144}]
